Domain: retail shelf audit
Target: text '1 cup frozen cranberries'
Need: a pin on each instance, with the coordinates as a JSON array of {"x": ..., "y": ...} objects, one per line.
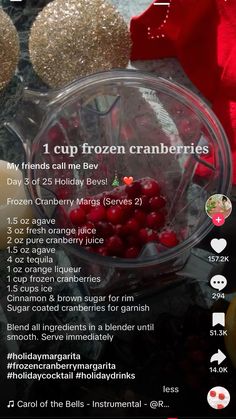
[{"x": 127, "y": 227}]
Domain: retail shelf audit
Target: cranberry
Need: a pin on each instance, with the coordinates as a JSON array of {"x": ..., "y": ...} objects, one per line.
[
  {"x": 212, "y": 393},
  {"x": 155, "y": 220},
  {"x": 86, "y": 230},
  {"x": 55, "y": 133},
  {"x": 147, "y": 235},
  {"x": 140, "y": 216},
  {"x": 115, "y": 246},
  {"x": 85, "y": 206},
  {"x": 63, "y": 193},
  {"x": 132, "y": 252},
  {"x": 77, "y": 216},
  {"x": 150, "y": 188},
  {"x": 132, "y": 240},
  {"x": 168, "y": 238},
  {"x": 102, "y": 250},
  {"x": 144, "y": 203},
  {"x": 132, "y": 226},
  {"x": 104, "y": 229},
  {"x": 97, "y": 214},
  {"x": 221, "y": 396},
  {"x": 118, "y": 229},
  {"x": 157, "y": 202},
  {"x": 133, "y": 190},
  {"x": 115, "y": 214},
  {"x": 64, "y": 122}
]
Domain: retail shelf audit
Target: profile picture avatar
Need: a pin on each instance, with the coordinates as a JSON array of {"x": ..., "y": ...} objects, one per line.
[{"x": 218, "y": 204}]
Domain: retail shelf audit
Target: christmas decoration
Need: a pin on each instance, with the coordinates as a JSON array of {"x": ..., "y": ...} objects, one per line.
[
  {"x": 74, "y": 38},
  {"x": 116, "y": 181},
  {"x": 202, "y": 35},
  {"x": 9, "y": 49}
]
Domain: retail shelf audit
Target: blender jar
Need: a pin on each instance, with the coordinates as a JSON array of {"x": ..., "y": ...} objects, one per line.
[{"x": 127, "y": 108}]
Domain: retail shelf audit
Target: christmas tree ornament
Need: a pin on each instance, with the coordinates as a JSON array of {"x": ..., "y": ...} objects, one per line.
[
  {"x": 115, "y": 181},
  {"x": 9, "y": 49},
  {"x": 72, "y": 38}
]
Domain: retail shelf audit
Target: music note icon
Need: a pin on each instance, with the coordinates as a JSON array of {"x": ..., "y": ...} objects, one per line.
[{"x": 11, "y": 403}]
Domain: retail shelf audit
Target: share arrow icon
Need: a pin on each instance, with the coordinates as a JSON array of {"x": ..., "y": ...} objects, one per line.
[{"x": 218, "y": 357}]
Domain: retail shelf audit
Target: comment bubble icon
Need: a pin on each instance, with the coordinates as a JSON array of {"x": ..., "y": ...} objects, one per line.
[{"x": 218, "y": 282}]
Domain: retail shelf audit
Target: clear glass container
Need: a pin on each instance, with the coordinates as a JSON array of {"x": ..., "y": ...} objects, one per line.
[{"x": 128, "y": 108}]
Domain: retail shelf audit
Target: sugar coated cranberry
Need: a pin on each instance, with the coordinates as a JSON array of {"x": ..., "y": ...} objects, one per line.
[
  {"x": 132, "y": 252},
  {"x": 115, "y": 214},
  {"x": 150, "y": 188},
  {"x": 104, "y": 229},
  {"x": 155, "y": 220},
  {"x": 147, "y": 235},
  {"x": 157, "y": 202},
  {"x": 212, "y": 393},
  {"x": 220, "y": 406},
  {"x": 140, "y": 216},
  {"x": 77, "y": 216},
  {"x": 168, "y": 238},
  {"x": 97, "y": 214},
  {"x": 115, "y": 246},
  {"x": 221, "y": 396},
  {"x": 134, "y": 190}
]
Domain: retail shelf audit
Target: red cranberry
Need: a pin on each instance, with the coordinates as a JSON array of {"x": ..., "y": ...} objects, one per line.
[
  {"x": 115, "y": 246},
  {"x": 77, "y": 216},
  {"x": 140, "y": 216},
  {"x": 86, "y": 230},
  {"x": 157, "y": 202},
  {"x": 144, "y": 203},
  {"x": 64, "y": 122},
  {"x": 132, "y": 240},
  {"x": 150, "y": 188},
  {"x": 115, "y": 214},
  {"x": 168, "y": 238},
  {"x": 155, "y": 220},
  {"x": 132, "y": 226},
  {"x": 132, "y": 252},
  {"x": 133, "y": 190},
  {"x": 97, "y": 214},
  {"x": 85, "y": 206},
  {"x": 104, "y": 229},
  {"x": 63, "y": 193},
  {"x": 102, "y": 250},
  {"x": 55, "y": 133},
  {"x": 118, "y": 229},
  {"x": 147, "y": 235}
]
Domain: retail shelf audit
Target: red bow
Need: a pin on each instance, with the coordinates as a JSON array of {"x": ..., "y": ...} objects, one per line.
[{"x": 202, "y": 35}]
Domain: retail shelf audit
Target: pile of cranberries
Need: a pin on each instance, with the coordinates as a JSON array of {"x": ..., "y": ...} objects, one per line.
[{"x": 123, "y": 220}]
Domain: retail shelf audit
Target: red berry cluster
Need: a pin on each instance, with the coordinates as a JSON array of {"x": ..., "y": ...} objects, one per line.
[{"x": 137, "y": 218}]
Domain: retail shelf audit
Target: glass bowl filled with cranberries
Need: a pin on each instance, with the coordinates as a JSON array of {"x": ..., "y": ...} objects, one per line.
[{"x": 126, "y": 162}]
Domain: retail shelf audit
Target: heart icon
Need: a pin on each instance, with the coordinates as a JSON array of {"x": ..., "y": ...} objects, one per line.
[
  {"x": 218, "y": 245},
  {"x": 128, "y": 180}
]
